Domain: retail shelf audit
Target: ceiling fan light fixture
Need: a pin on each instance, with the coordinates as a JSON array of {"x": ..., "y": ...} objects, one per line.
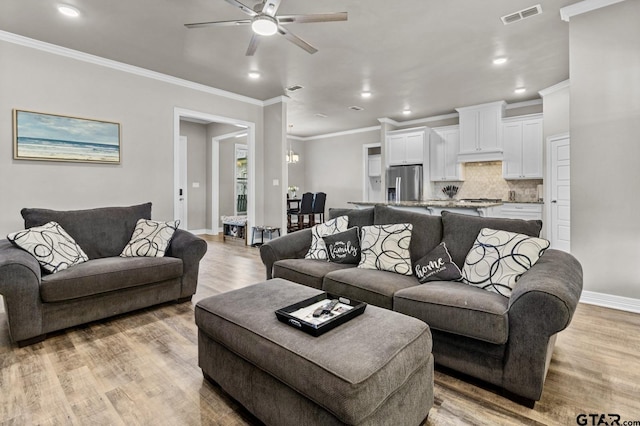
[{"x": 264, "y": 25}]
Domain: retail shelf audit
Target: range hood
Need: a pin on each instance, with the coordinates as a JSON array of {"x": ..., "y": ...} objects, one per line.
[{"x": 480, "y": 127}]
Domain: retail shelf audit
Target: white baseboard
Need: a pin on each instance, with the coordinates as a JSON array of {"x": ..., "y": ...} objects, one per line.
[
  {"x": 610, "y": 301},
  {"x": 202, "y": 231}
]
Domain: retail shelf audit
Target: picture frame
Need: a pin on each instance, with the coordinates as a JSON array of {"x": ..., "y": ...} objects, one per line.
[{"x": 53, "y": 137}]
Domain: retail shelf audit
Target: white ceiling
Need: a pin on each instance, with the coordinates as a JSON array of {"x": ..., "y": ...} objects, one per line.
[{"x": 427, "y": 55}]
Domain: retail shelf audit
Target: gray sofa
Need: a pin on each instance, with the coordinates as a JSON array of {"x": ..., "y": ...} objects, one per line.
[
  {"x": 37, "y": 303},
  {"x": 507, "y": 342}
]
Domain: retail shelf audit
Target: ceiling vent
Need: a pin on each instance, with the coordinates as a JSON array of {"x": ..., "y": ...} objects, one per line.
[
  {"x": 356, "y": 108},
  {"x": 522, "y": 14},
  {"x": 294, "y": 88},
  {"x": 321, "y": 115}
]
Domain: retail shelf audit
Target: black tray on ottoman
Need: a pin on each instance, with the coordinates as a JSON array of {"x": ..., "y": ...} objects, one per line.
[
  {"x": 376, "y": 368},
  {"x": 299, "y": 315}
]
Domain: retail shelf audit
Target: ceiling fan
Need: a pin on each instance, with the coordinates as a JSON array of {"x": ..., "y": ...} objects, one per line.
[{"x": 265, "y": 22}]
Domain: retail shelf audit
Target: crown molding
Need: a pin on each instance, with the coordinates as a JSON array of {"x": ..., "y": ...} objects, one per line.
[
  {"x": 554, "y": 88},
  {"x": 331, "y": 135},
  {"x": 278, "y": 99},
  {"x": 568, "y": 12},
  {"x": 131, "y": 69},
  {"x": 524, "y": 104}
]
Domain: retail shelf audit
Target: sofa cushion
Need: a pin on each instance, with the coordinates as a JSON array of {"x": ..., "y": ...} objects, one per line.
[
  {"x": 306, "y": 271},
  {"x": 457, "y": 308},
  {"x": 101, "y": 232},
  {"x": 344, "y": 247},
  {"x": 318, "y": 250},
  {"x": 426, "y": 233},
  {"x": 460, "y": 231},
  {"x": 499, "y": 258},
  {"x": 437, "y": 266},
  {"x": 386, "y": 248},
  {"x": 150, "y": 238},
  {"x": 367, "y": 285},
  {"x": 108, "y": 274},
  {"x": 357, "y": 217},
  {"x": 51, "y": 245}
]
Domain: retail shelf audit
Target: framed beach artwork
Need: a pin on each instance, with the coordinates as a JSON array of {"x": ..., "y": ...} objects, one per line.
[{"x": 51, "y": 137}]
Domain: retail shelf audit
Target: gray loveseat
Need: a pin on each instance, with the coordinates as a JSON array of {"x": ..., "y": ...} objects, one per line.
[
  {"x": 37, "y": 303},
  {"x": 507, "y": 342}
]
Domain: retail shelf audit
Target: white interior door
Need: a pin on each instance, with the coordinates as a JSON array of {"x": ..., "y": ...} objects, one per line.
[
  {"x": 560, "y": 205},
  {"x": 181, "y": 200}
]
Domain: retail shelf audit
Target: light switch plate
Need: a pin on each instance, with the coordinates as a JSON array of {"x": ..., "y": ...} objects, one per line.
[
  {"x": 196, "y": 184},
  {"x": 276, "y": 182}
]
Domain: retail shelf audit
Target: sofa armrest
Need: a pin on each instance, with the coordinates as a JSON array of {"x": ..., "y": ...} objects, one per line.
[
  {"x": 191, "y": 249},
  {"x": 541, "y": 305},
  {"x": 20, "y": 287},
  {"x": 290, "y": 246}
]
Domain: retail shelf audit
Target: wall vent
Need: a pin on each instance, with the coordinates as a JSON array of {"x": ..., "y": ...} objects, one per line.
[
  {"x": 294, "y": 88},
  {"x": 521, "y": 14},
  {"x": 356, "y": 108}
]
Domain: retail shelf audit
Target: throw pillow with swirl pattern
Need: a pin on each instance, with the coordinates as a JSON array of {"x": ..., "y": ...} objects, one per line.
[
  {"x": 53, "y": 248},
  {"x": 386, "y": 248},
  {"x": 498, "y": 259},
  {"x": 318, "y": 249},
  {"x": 150, "y": 238}
]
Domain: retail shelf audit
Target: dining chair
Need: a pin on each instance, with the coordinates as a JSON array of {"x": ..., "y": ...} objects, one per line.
[
  {"x": 305, "y": 212},
  {"x": 318, "y": 206}
]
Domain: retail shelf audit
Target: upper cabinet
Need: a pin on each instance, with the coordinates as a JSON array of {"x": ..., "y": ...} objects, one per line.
[
  {"x": 523, "y": 140},
  {"x": 406, "y": 146},
  {"x": 480, "y": 132},
  {"x": 444, "y": 143}
]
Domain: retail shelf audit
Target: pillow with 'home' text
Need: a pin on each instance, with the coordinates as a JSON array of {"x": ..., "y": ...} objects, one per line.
[{"x": 437, "y": 266}]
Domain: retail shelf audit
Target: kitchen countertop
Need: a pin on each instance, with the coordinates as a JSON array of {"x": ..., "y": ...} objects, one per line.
[
  {"x": 431, "y": 203},
  {"x": 442, "y": 203}
]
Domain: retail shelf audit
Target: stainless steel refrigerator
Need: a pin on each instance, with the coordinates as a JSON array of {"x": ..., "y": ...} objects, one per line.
[{"x": 404, "y": 183}]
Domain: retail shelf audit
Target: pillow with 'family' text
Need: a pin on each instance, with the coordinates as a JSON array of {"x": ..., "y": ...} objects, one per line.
[
  {"x": 344, "y": 247},
  {"x": 386, "y": 248},
  {"x": 54, "y": 249},
  {"x": 498, "y": 259},
  {"x": 318, "y": 249},
  {"x": 437, "y": 266}
]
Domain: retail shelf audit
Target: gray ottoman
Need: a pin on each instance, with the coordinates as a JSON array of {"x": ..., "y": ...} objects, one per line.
[{"x": 376, "y": 369}]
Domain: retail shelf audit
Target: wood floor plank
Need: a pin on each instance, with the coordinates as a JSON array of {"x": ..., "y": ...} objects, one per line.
[{"x": 141, "y": 368}]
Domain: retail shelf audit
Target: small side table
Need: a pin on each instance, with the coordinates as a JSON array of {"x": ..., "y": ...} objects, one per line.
[{"x": 262, "y": 230}]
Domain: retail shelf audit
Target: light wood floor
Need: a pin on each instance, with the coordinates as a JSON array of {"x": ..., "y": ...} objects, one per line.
[{"x": 142, "y": 369}]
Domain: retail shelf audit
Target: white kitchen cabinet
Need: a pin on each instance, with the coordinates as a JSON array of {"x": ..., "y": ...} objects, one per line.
[
  {"x": 480, "y": 132},
  {"x": 523, "y": 142},
  {"x": 444, "y": 144},
  {"x": 406, "y": 146},
  {"x": 527, "y": 211},
  {"x": 375, "y": 165}
]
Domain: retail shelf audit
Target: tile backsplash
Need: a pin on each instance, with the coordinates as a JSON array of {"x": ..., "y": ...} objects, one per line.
[{"x": 484, "y": 180}]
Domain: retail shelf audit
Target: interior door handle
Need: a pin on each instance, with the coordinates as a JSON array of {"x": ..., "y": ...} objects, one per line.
[{"x": 554, "y": 201}]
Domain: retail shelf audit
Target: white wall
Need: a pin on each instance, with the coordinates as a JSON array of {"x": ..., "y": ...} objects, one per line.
[
  {"x": 335, "y": 165},
  {"x": 605, "y": 147},
  {"x": 36, "y": 80},
  {"x": 297, "y": 170}
]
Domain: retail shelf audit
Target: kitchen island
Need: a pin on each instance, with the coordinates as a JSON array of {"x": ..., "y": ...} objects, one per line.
[{"x": 483, "y": 208}]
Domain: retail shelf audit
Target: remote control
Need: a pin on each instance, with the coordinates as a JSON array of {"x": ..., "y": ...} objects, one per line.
[{"x": 326, "y": 308}]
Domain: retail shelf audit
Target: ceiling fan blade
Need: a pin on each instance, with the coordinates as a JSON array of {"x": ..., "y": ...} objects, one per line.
[
  {"x": 271, "y": 7},
  {"x": 246, "y": 9},
  {"x": 219, "y": 23},
  {"x": 297, "y": 40},
  {"x": 318, "y": 17},
  {"x": 253, "y": 45}
]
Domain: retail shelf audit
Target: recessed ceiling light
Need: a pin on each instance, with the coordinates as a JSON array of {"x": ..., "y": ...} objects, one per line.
[
  {"x": 68, "y": 10},
  {"x": 520, "y": 90},
  {"x": 254, "y": 74},
  {"x": 365, "y": 94},
  {"x": 406, "y": 112},
  {"x": 500, "y": 61}
]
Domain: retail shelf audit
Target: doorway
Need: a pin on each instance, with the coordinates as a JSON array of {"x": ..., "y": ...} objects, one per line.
[
  {"x": 559, "y": 192},
  {"x": 372, "y": 177},
  {"x": 181, "y": 166}
]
